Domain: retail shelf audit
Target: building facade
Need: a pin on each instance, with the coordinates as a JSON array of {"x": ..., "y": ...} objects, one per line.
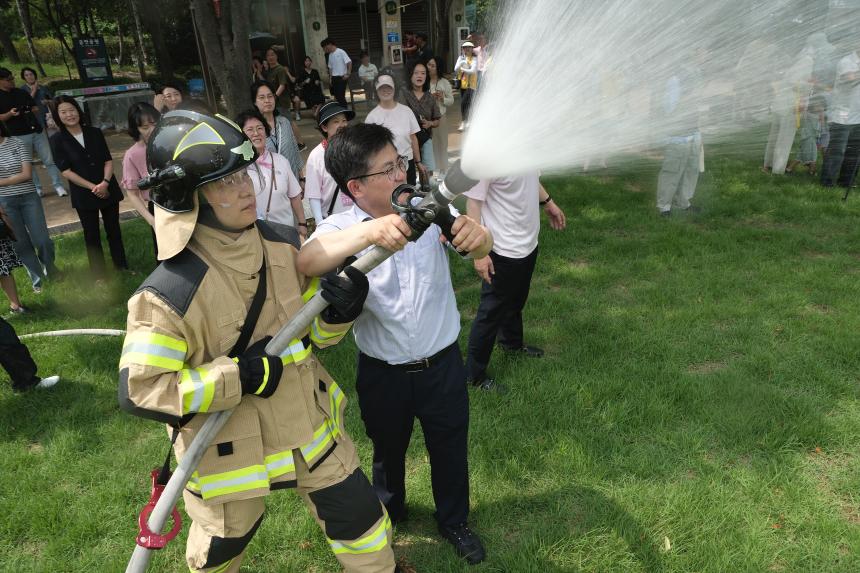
[{"x": 375, "y": 26}]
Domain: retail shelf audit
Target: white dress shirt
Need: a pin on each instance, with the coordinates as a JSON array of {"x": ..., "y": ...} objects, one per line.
[
  {"x": 410, "y": 312},
  {"x": 845, "y": 108}
]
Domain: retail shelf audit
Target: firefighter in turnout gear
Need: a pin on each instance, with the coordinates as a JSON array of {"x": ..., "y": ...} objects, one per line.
[{"x": 195, "y": 344}]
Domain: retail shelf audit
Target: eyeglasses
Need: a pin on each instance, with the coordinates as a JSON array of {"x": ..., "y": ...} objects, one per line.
[
  {"x": 237, "y": 178},
  {"x": 400, "y": 165},
  {"x": 249, "y": 131}
]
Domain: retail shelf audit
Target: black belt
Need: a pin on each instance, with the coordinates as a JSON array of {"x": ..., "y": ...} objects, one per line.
[{"x": 415, "y": 366}]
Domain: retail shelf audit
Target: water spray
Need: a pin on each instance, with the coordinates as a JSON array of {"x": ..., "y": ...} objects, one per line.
[{"x": 575, "y": 82}]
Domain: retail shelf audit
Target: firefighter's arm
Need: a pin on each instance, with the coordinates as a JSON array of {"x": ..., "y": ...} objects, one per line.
[
  {"x": 154, "y": 375},
  {"x": 345, "y": 296}
]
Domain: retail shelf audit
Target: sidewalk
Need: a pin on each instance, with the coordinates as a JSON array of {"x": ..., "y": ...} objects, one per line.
[{"x": 63, "y": 219}]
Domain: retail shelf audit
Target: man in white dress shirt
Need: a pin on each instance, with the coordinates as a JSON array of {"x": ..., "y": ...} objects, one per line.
[
  {"x": 339, "y": 69},
  {"x": 409, "y": 363}
]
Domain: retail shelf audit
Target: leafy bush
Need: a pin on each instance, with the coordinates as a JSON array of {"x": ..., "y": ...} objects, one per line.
[
  {"x": 50, "y": 51},
  {"x": 75, "y": 83}
]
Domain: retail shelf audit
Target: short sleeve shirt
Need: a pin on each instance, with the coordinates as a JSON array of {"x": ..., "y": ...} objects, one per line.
[
  {"x": 134, "y": 168},
  {"x": 338, "y": 62},
  {"x": 511, "y": 211},
  {"x": 846, "y": 96},
  {"x": 274, "y": 193},
  {"x": 13, "y": 155},
  {"x": 319, "y": 184},
  {"x": 400, "y": 121}
]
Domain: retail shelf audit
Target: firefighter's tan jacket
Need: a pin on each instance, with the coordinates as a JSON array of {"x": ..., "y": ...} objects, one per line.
[{"x": 183, "y": 322}]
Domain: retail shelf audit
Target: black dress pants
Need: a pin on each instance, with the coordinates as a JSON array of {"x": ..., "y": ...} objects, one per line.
[
  {"x": 842, "y": 155},
  {"x": 466, "y": 103},
  {"x": 500, "y": 312},
  {"x": 390, "y": 399},
  {"x": 338, "y": 89},
  {"x": 92, "y": 237},
  {"x": 16, "y": 359}
]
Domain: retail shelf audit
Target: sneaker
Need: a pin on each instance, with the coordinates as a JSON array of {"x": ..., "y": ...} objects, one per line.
[
  {"x": 47, "y": 382},
  {"x": 39, "y": 192},
  {"x": 487, "y": 384},
  {"x": 665, "y": 213},
  {"x": 462, "y": 126},
  {"x": 37, "y": 290},
  {"x": 466, "y": 542},
  {"x": 61, "y": 192},
  {"x": 18, "y": 310},
  {"x": 298, "y": 116}
]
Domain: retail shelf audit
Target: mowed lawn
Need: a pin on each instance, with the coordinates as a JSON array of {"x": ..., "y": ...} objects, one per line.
[{"x": 697, "y": 408}]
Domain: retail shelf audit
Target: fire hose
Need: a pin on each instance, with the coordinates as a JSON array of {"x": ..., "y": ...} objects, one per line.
[{"x": 419, "y": 210}]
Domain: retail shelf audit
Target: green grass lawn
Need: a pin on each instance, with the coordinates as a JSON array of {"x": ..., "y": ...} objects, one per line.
[{"x": 697, "y": 409}]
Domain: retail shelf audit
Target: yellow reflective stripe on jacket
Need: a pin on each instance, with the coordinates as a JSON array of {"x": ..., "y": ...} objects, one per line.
[
  {"x": 322, "y": 440},
  {"x": 153, "y": 349},
  {"x": 335, "y": 396},
  {"x": 197, "y": 388},
  {"x": 280, "y": 464},
  {"x": 224, "y": 483},
  {"x": 295, "y": 352},
  {"x": 312, "y": 289},
  {"x": 377, "y": 540},
  {"x": 319, "y": 334}
]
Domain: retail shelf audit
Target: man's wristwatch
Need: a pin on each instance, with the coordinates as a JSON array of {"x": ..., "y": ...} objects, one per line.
[{"x": 545, "y": 201}]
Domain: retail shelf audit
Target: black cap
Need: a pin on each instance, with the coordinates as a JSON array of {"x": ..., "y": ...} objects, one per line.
[
  {"x": 5, "y": 73},
  {"x": 332, "y": 109}
]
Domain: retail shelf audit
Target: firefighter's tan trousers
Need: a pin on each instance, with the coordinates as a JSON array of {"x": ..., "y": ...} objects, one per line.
[{"x": 339, "y": 497}]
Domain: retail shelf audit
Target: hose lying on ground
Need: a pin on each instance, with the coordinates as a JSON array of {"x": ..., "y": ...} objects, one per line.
[{"x": 77, "y": 331}]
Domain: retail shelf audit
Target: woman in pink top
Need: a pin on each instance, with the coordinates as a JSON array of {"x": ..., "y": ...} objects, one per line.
[{"x": 142, "y": 118}]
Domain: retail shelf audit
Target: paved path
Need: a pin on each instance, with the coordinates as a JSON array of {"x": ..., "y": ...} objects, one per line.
[{"x": 62, "y": 218}]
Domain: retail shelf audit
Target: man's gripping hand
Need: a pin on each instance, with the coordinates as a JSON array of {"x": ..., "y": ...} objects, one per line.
[
  {"x": 259, "y": 373},
  {"x": 345, "y": 295}
]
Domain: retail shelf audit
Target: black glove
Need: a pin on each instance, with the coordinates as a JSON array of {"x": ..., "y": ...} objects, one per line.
[
  {"x": 345, "y": 296},
  {"x": 260, "y": 373}
]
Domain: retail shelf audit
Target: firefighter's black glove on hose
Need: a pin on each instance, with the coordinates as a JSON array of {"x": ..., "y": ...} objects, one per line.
[
  {"x": 260, "y": 373},
  {"x": 345, "y": 296}
]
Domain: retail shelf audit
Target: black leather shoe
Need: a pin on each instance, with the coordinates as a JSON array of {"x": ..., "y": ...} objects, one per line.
[
  {"x": 465, "y": 541},
  {"x": 488, "y": 385},
  {"x": 530, "y": 351},
  {"x": 398, "y": 517}
]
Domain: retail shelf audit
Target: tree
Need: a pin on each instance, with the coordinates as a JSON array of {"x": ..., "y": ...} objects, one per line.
[
  {"x": 227, "y": 49},
  {"x": 27, "y": 25},
  {"x": 138, "y": 41},
  {"x": 152, "y": 22},
  {"x": 6, "y": 45},
  {"x": 442, "y": 29}
]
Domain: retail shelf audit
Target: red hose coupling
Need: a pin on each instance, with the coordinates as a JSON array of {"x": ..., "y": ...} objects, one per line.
[{"x": 150, "y": 539}]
